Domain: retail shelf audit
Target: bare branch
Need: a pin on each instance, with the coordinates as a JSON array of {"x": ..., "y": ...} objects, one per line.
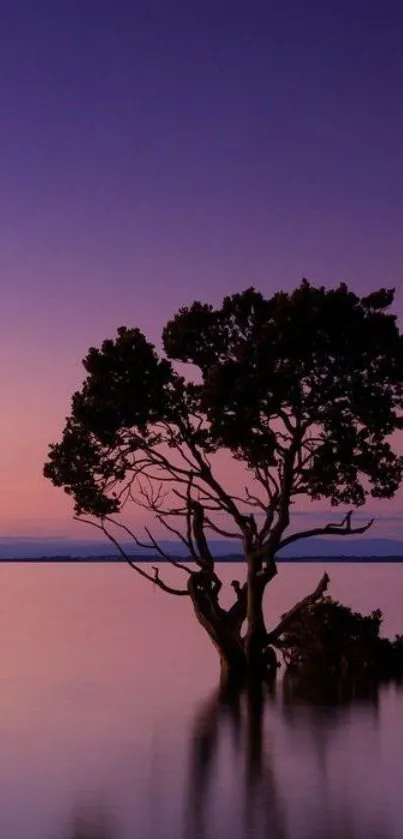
[
  {"x": 287, "y": 478},
  {"x": 206, "y": 475},
  {"x": 228, "y": 534},
  {"x": 237, "y": 612},
  {"x": 154, "y": 545},
  {"x": 156, "y": 579},
  {"x": 270, "y": 570},
  {"x": 289, "y": 617},
  {"x": 253, "y": 500},
  {"x": 179, "y": 535},
  {"x": 206, "y": 498},
  {"x": 154, "y": 495},
  {"x": 286, "y": 419},
  {"x": 269, "y": 518},
  {"x": 342, "y": 529},
  {"x": 164, "y": 555},
  {"x": 189, "y": 535},
  {"x": 205, "y": 555},
  {"x": 265, "y": 476}
]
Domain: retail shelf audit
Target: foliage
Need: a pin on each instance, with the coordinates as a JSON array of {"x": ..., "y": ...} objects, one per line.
[
  {"x": 329, "y": 636},
  {"x": 304, "y": 390},
  {"x": 325, "y": 364}
]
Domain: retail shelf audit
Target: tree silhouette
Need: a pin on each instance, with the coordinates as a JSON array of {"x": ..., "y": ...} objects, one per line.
[{"x": 302, "y": 390}]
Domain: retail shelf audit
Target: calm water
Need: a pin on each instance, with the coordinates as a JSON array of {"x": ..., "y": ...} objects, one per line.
[{"x": 110, "y": 721}]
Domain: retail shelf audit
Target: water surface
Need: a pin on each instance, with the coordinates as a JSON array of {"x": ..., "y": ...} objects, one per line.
[{"x": 110, "y": 718}]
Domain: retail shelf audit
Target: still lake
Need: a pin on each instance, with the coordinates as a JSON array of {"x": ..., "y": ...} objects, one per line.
[{"x": 110, "y": 725}]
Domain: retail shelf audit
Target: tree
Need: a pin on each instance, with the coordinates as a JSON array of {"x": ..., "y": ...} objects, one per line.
[{"x": 304, "y": 390}]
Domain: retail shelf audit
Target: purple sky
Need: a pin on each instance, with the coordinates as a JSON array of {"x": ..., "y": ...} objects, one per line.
[{"x": 154, "y": 152}]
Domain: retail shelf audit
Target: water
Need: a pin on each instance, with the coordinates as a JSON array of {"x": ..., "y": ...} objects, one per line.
[{"x": 110, "y": 725}]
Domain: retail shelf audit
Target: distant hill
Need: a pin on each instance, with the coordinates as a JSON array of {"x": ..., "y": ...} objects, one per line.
[
  {"x": 36, "y": 548},
  {"x": 62, "y": 548},
  {"x": 345, "y": 547}
]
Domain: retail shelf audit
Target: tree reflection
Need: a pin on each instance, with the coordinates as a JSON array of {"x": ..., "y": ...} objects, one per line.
[
  {"x": 233, "y": 722},
  {"x": 331, "y": 694},
  {"x": 232, "y": 739},
  {"x": 93, "y": 823}
]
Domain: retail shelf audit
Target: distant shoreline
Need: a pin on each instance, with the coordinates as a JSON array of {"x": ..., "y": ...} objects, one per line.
[{"x": 225, "y": 559}]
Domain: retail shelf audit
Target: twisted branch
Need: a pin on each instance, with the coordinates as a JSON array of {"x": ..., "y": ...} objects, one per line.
[
  {"x": 289, "y": 617},
  {"x": 342, "y": 529},
  {"x": 156, "y": 579}
]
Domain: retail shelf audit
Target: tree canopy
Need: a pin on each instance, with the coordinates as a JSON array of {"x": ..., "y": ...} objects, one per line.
[{"x": 303, "y": 389}]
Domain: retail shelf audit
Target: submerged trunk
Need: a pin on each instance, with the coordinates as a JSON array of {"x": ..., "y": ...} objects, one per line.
[
  {"x": 224, "y": 633},
  {"x": 242, "y": 659},
  {"x": 256, "y": 635},
  {"x": 233, "y": 665},
  {"x": 311, "y": 633},
  {"x": 256, "y": 632},
  {"x": 233, "y": 670}
]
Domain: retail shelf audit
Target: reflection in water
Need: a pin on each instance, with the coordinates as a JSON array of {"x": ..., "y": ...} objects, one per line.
[
  {"x": 237, "y": 718},
  {"x": 319, "y": 710},
  {"x": 240, "y": 717},
  {"x": 92, "y": 823},
  {"x": 332, "y": 694},
  {"x": 101, "y": 712},
  {"x": 232, "y": 732}
]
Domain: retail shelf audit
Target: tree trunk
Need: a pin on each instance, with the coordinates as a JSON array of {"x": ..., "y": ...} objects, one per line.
[
  {"x": 246, "y": 659},
  {"x": 256, "y": 630},
  {"x": 232, "y": 672},
  {"x": 250, "y": 659},
  {"x": 224, "y": 633}
]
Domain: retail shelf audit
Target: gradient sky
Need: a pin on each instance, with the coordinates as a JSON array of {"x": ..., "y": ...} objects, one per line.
[{"x": 154, "y": 152}]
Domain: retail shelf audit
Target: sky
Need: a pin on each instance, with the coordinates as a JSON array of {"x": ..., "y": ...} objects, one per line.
[{"x": 157, "y": 152}]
